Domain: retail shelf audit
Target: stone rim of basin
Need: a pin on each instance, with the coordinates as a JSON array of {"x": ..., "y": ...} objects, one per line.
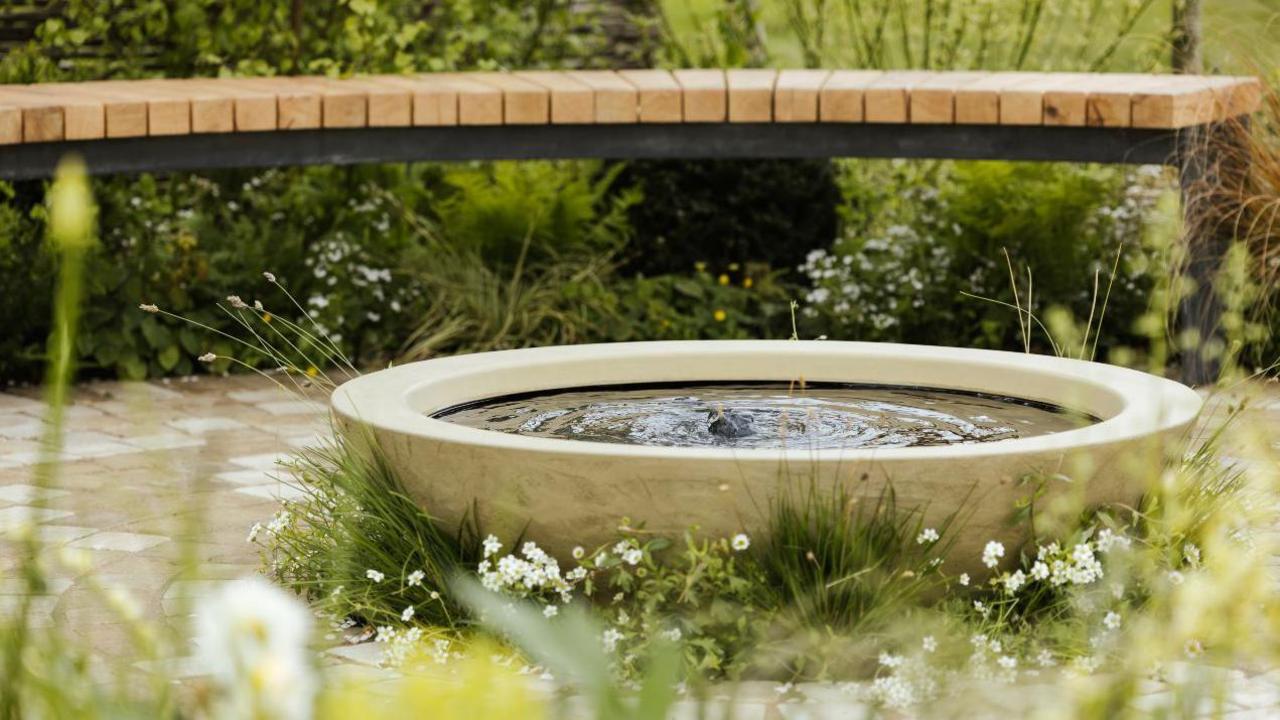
[{"x": 1128, "y": 403}]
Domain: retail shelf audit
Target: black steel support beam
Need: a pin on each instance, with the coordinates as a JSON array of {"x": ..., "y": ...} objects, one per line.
[{"x": 528, "y": 142}]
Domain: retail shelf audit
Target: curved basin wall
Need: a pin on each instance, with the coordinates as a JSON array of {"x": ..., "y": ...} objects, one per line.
[{"x": 575, "y": 493}]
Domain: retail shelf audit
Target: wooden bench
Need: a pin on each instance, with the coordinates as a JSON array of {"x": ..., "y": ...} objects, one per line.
[
  {"x": 167, "y": 125},
  {"x": 128, "y": 126}
]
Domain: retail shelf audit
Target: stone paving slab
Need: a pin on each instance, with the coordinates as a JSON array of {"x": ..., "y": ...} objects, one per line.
[{"x": 145, "y": 462}]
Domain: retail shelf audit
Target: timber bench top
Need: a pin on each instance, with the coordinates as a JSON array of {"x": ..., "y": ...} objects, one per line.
[
  {"x": 180, "y": 124},
  {"x": 139, "y": 108}
]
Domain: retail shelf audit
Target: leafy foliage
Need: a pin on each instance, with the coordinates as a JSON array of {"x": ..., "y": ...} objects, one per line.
[
  {"x": 726, "y": 212},
  {"x": 922, "y": 265}
]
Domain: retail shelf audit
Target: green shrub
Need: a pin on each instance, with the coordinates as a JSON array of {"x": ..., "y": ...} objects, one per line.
[
  {"x": 187, "y": 243},
  {"x": 910, "y": 262},
  {"x": 724, "y": 212}
]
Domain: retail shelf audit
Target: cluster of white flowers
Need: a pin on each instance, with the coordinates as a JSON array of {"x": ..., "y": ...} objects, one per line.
[
  {"x": 927, "y": 535},
  {"x": 533, "y": 573},
  {"x": 909, "y": 682},
  {"x": 1078, "y": 564},
  {"x": 400, "y": 645},
  {"x": 867, "y": 284}
]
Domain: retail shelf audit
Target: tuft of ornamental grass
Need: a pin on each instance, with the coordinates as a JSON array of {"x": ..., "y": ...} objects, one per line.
[
  {"x": 358, "y": 546},
  {"x": 846, "y": 562}
]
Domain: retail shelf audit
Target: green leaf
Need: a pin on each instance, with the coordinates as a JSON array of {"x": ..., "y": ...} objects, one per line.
[
  {"x": 169, "y": 357},
  {"x": 131, "y": 368}
]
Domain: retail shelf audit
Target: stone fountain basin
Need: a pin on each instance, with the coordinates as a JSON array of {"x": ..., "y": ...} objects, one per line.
[{"x": 561, "y": 493}]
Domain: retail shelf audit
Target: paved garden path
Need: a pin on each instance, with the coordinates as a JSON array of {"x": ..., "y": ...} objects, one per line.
[{"x": 152, "y": 468}]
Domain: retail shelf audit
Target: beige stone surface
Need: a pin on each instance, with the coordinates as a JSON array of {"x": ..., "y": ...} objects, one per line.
[{"x": 141, "y": 477}]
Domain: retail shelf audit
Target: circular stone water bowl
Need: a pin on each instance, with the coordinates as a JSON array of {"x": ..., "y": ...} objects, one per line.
[{"x": 565, "y": 492}]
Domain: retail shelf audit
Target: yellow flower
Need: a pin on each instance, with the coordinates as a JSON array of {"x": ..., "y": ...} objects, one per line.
[
  {"x": 700, "y": 266},
  {"x": 724, "y": 279},
  {"x": 747, "y": 283},
  {"x": 719, "y": 315},
  {"x": 266, "y": 317},
  {"x": 313, "y": 371}
]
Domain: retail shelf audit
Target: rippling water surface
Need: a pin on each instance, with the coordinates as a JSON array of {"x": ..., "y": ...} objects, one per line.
[{"x": 766, "y": 415}]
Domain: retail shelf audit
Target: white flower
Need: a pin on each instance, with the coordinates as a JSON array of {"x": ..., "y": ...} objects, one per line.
[
  {"x": 1045, "y": 659},
  {"x": 964, "y": 578},
  {"x": 1175, "y": 577},
  {"x": 251, "y": 637},
  {"x": 981, "y": 607},
  {"x": 992, "y": 553},
  {"x": 890, "y": 660},
  {"x": 1112, "y": 621},
  {"x": 929, "y": 644},
  {"x": 407, "y": 615},
  {"x": 1039, "y": 570},
  {"x": 633, "y": 556},
  {"x": 550, "y": 611},
  {"x": 1191, "y": 553},
  {"x": 578, "y": 552},
  {"x": 491, "y": 545},
  {"x": 927, "y": 535},
  {"x": 253, "y": 532},
  {"x": 673, "y": 634},
  {"x": 374, "y": 575},
  {"x": 435, "y": 595},
  {"x": 1015, "y": 581},
  {"x": 1007, "y": 662},
  {"x": 740, "y": 542},
  {"x": 610, "y": 639},
  {"x": 415, "y": 578}
]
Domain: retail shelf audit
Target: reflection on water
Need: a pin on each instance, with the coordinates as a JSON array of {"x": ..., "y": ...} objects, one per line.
[{"x": 766, "y": 415}]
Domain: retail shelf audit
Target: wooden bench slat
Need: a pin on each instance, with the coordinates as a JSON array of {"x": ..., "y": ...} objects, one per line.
[
  {"x": 10, "y": 124},
  {"x": 572, "y": 102},
  {"x": 252, "y": 109},
  {"x": 211, "y": 111},
  {"x": 1174, "y": 103},
  {"x": 43, "y": 114},
  {"x": 933, "y": 100},
  {"x": 705, "y": 95},
  {"x": 1236, "y": 96},
  {"x": 166, "y": 112},
  {"x": 661, "y": 97},
  {"x": 795, "y": 95},
  {"x": 887, "y": 98},
  {"x": 750, "y": 95},
  {"x": 387, "y": 105},
  {"x": 842, "y": 96},
  {"x": 91, "y": 112},
  {"x": 297, "y": 104},
  {"x": 479, "y": 103},
  {"x": 433, "y": 100},
  {"x": 523, "y": 102},
  {"x": 615, "y": 99}
]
